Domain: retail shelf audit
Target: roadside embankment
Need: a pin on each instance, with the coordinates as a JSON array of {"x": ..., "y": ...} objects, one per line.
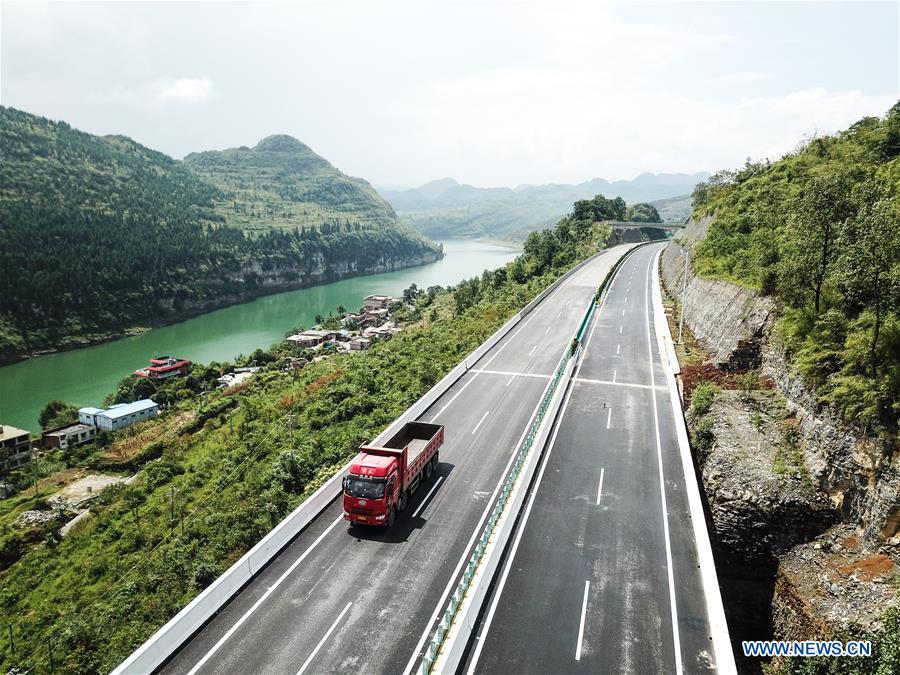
[{"x": 806, "y": 508}]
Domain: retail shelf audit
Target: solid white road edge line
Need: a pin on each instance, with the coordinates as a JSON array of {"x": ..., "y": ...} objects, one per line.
[
  {"x": 724, "y": 656},
  {"x": 263, "y": 598},
  {"x": 483, "y": 417},
  {"x": 427, "y": 497},
  {"x": 322, "y": 641},
  {"x": 511, "y": 556},
  {"x": 587, "y": 589},
  {"x": 662, "y": 485}
]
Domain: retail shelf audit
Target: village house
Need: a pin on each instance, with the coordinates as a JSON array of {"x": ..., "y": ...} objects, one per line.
[
  {"x": 312, "y": 338},
  {"x": 68, "y": 436},
  {"x": 384, "y": 332},
  {"x": 164, "y": 367},
  {"x": 15, "y": 447},
  {"x": 120, "y": 415},
  {"x": 374, "y": 302},
  {"x": 360, "y": 343}
]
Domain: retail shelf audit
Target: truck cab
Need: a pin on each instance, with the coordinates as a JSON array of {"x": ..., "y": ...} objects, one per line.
[{"x": 370, "y": 488}]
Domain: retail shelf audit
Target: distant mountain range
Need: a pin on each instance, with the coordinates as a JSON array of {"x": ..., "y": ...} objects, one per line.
[{"x": 445, "y": 208}]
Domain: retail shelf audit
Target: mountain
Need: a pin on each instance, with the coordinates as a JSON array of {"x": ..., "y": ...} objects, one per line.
[
  {"x": 673, "y": 209},
  {"x": 446, "y": 208},
  {"x": 101, "y": 235},
  {"x": 281, "y": 183}
]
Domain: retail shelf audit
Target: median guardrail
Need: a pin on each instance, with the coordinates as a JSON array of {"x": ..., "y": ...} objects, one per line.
[
  {"x": 167, "y": 640},
  {"x": 445, "y": 650}
]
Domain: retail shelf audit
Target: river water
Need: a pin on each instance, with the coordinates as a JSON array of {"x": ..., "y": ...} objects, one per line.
[{"x": 85, "y": 376}]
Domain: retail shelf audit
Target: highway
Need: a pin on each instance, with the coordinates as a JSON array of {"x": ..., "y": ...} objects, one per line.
[
  {"x": 361, "y": 600},
  {"x": 603, "y": 574}
]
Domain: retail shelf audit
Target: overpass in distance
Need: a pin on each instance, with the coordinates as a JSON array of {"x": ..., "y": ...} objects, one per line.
[{"x": 603, "y": 572}]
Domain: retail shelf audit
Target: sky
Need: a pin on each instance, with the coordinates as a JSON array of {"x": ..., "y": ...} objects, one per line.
[{"x": 492, "y": 94}]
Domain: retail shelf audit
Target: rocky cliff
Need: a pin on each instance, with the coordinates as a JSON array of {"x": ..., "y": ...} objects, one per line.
[{"x": 806, "y": 508}]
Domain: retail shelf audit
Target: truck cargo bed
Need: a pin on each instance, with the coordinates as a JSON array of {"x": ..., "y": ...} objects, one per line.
[{"x": 414, "y": 435}]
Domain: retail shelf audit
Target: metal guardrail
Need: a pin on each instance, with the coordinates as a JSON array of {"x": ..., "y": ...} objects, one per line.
[{"x": 503, "y": 499}]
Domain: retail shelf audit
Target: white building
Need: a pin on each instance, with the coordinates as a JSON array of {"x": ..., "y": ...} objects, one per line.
[{"x": 120, "y": 415}]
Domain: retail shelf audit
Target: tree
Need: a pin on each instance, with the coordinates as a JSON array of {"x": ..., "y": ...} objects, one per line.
[
  {"x": 814, "y": 230},
  {"x": 57, "y": 413},
  {"x": 642, "y": 213},
  {"x": 870, "y": 258},
  {"x": 410, "y": 294}
]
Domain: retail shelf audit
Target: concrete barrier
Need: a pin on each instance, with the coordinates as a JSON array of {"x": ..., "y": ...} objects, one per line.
[{"x": 167, "y": 640}]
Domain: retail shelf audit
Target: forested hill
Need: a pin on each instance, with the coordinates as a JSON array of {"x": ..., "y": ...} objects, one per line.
[
  {"x": 102, "y": 235},
  {"x": 281, "y": 183},
  {"x": 820, "y": 231}
]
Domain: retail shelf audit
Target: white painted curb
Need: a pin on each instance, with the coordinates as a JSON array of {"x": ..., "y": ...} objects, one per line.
[
  {"x": 724, "y": 657},
  {"x": 167, "y": 640}
]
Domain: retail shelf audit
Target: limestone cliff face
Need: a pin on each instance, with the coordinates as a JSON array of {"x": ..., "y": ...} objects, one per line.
[
  {"x": 731, "y": 320},
  {"x": 256, "y": 279},
  {"x": 861, "y": 481}
]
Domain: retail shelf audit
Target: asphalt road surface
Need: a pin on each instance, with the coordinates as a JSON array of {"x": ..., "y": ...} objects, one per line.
[
  {"x": 603, "y": 575},
  {"x": 338, "y": 600}
]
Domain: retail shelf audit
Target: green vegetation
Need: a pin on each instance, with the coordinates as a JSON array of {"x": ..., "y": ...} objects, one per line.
[
  {"x": 102, "y": 234},
  {"x": 820, "y": 230},
  {"x": 232, "y": 463},
  {"x": 56, "y": 414},
  {"x": 701, "y": 420},
  {"x": 642, "y": 213}
]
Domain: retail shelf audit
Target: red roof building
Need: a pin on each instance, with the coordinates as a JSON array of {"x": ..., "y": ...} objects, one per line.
[{"x": 164, "y": 367}]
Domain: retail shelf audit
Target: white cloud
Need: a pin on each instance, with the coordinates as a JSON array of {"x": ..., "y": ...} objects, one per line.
[
  {"x": 190, "y": 90},
  {"x": 739, "y": 78}
]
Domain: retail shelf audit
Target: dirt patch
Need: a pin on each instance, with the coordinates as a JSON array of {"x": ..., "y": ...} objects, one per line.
[
  {"x": 60, "y": 479},
  {"x": 868, "y": 569},
  {"x": 320, "y": 382},
  {"x": 840, "y": 583},
  {"x": 137, "y": 438},
  {"x": 87, "y": 486},
  {"x": 237, "y": 388}
]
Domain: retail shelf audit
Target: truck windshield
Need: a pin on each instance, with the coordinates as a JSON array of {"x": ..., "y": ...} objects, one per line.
[{"x": 365, "y": 488}]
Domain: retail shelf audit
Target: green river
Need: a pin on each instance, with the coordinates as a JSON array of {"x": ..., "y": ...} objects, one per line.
[{"x": 85, "y": 376}]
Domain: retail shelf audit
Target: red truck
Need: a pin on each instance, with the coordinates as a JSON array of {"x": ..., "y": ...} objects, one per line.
[{"x": 381, "y": 480}]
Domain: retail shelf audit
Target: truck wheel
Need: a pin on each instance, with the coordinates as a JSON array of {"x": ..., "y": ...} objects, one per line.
[
  {"x": 401, "y": 502},
  {"x": 429, "y": 469},
  {"x": 391, "y": 517}
]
